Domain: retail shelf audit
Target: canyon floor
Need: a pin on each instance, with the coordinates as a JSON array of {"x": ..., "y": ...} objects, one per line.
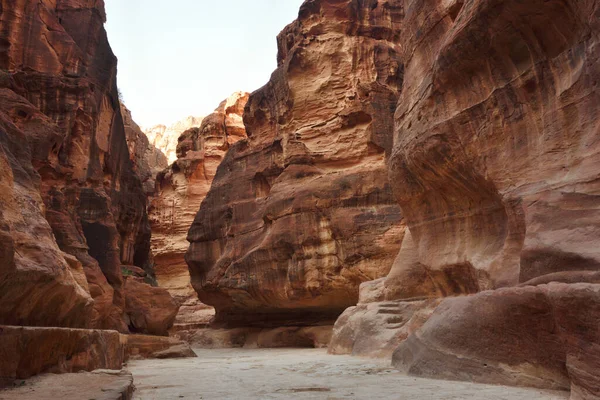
[{"x": 300, "y": 374}]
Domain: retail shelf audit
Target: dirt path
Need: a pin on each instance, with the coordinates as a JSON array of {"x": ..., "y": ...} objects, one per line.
[{"x": 300, "y": 374}]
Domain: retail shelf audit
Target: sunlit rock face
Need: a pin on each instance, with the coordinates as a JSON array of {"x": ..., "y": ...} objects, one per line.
[
  {"x": 301, "y": 212},
  {"x": 495, "y": 167},
  {"x": 166, "y": 138},
  {"x": 73, "y": 208},
  {"x": 181, "y": 188}
]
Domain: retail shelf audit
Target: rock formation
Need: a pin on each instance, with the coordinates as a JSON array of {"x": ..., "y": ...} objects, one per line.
[
  {"x": 301, "y": 212},
  {"x": 166, "y": 138},
  {"x": 73, "y": 210},
  {"x": 26, "y": 352},
  {"x": 148, "y": 160},
  {"x": 495, "y": 168},
  {"x": 181, "y": 189}
]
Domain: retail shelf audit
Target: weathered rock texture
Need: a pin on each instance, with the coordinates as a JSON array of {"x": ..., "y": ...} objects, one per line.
[
  {"x": 495, "y": 158},
  {"x": 301, "y": 213},
  {"x": 545, "y": 336},
  {"x": 156, "y": 347},
  {"x": 166, "y": 139},
  {"x": 375, "y": 327},
  {"x": 180, "y": 190},
  {"x": 495, "y": 167},
  {"x": 148, "y": 160},
  {"x": 72, "y": 208},
  {"x": 26, "y": 352}
]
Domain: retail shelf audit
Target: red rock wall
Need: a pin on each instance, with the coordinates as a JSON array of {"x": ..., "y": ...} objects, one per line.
[
  {"x": 181, "y": 189},
  {"x": 495, "y": 167},
  {"x": 64, "y": 140},
  {"x": 301, "y": 213},
  {"x": 495, "y": 157}
]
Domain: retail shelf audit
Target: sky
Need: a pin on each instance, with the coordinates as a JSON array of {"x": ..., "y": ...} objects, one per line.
[{"x": 183, "y": 57}]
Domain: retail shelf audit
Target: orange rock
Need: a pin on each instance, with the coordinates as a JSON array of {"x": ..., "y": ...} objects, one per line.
[
  {"x": 150, "y": 310},
  {"x": 545, "y": 336},
  {"x": 26, "y": 352},
  {"x": 72, "y": 203},
  {"x": 301, "y": 212},
  {"x": 181, "y": 189},
  {"x": 495, "y": 156}
]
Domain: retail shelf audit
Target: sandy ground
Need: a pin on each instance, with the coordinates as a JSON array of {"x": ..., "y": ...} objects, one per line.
[
  {"x": 300, "y": 374},
  {"x": 99, "y": 385}
]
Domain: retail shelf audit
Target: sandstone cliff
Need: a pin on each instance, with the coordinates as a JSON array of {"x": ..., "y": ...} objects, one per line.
[
  {"x": 147, "y": 159},
  {"x": 166, "y": 138},
  {"x": 495, "y": 168},
  {"x": 301, "y": 212},
  {"x": 73, "y": 209},
  {"x": 181, "y": 189}
]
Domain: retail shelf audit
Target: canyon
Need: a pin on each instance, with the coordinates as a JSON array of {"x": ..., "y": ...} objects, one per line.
[{"x": 415, "y": 186}]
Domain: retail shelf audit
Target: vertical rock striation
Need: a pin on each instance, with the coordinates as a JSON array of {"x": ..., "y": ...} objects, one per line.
[
  {"x": 181, "y": 189},
  {"x": 147, "y": 159},
  {"x": 301, "y": 212},
  {"x": 73, "y": 208}
]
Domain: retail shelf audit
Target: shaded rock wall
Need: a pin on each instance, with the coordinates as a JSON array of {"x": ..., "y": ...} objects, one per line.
[
  {"x": 27, "y": 351},
  {"x": 148, "y": 160},
  {"x": 73, "y": 208},
  {"x": 181, "y": 189},
  {"x": 495, "y": 168},
  {"x": 301, "y": 213},
  {"x": 495, "y": 163}
]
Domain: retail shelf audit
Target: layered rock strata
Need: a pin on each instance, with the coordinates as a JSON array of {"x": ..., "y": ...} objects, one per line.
[
  {"x": 301, "y": 212},
  {"x": 73, "y": 209},
  {"x": 26, "y": 351},
  {"x": 181, "y": 188},
  {"x": 495, "y": 168}
]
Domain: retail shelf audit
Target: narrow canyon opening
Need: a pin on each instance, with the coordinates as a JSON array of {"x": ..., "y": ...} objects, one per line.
[{"x": 381, "y": 199}]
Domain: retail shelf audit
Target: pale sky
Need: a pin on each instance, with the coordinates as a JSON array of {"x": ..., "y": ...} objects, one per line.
[{"x": 183, "y": 57}]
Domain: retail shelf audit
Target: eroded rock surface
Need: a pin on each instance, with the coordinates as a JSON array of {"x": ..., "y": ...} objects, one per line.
[
  {"x": 26, "y": 351},
  {"x": 375, "y": 327},
  {"x": 148, "y": 160},
  {"x": 73, "y": 209},
  {"x": 301, "y": 212},
  {"x": 545, "y": 336},
  {"x": 150, "y": 310},
  {"x": 495, "y": 167},
  {"x": 166, "y": 138},
  {"x": 181, "y": 189},
  {"x": 495, "y": 162}
]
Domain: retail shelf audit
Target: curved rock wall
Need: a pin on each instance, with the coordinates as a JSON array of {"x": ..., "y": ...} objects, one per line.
[
  {"x": 301, "y": 213},
  {"x": 495, "y": 168},
  {"x": 495, "y": 157}
]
